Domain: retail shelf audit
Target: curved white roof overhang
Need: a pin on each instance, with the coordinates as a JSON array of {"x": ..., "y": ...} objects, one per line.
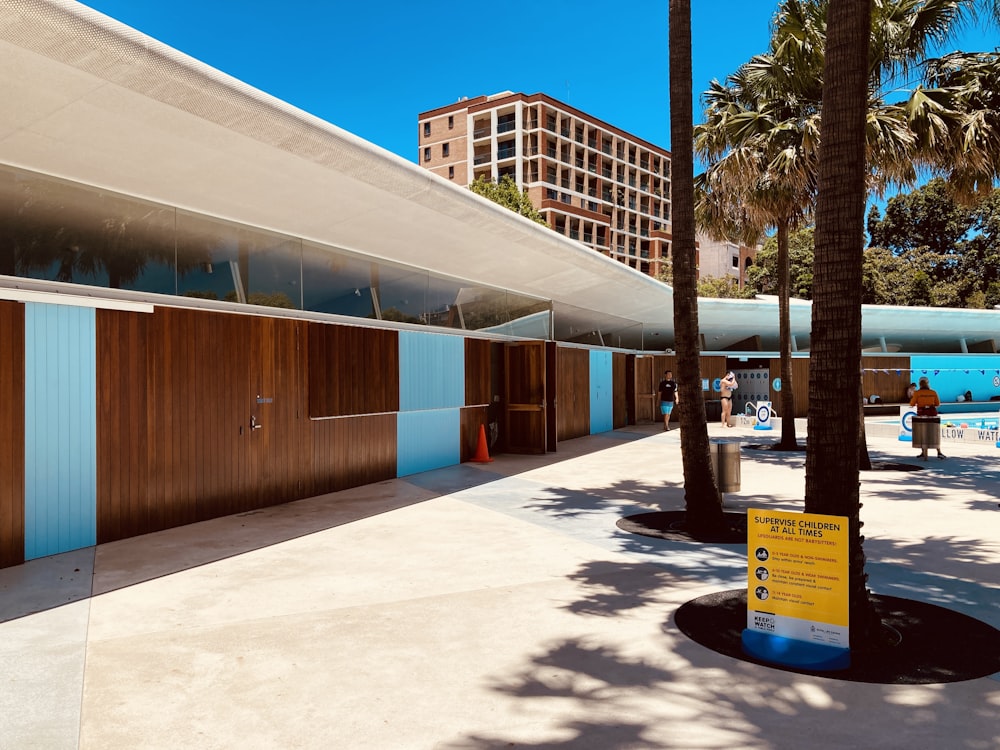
[{"x": 89, "y": 99}]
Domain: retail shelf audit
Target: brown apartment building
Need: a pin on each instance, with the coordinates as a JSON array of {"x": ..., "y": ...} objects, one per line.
[{"x": 592, "y": 181}]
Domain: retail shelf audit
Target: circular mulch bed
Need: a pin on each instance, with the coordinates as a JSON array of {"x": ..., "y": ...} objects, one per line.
[
  {"x": 932, "y": 644},
  {"x": 894, "y": 466},
  {"x": 672, "y": 524},
  {"x": 776, "y": 447},
  {"x": 876, "y": 465}
]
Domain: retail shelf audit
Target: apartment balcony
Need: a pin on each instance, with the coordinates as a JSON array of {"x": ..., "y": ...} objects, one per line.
[
  {"x": 482, "y": 159},
  {"x": 482, "y": 130},
  {"x": 506, "y": 153},
  {"x": 506, "y": 127}
]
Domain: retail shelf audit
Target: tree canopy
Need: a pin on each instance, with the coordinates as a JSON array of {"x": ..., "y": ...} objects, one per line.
[
  {"x": 506, "y": 193},
  {"x": 931, "y": 250}
]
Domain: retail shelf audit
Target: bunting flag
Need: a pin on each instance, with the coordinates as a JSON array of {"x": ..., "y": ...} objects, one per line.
[{"x": 937, "y": 371}]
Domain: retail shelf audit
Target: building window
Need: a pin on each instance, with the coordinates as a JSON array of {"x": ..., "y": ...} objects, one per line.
[
  {"x": 736, "y": 261},
  {"x": 505, "y": 123},
  {"x": 427, "y": 153},
  {"x": 427, "y": 129},
  {"x": 451, "y": 173},
  {"x": 445, "y": 149},
  {"x": 451, "y": 121}
]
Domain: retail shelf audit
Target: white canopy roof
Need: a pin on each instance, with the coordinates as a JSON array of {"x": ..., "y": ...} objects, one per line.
[{"x": 91, "y": 100}]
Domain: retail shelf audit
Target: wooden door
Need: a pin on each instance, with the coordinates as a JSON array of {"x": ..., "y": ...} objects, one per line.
[
  {"x": 273, "y": 418},
  {"x": 524, "y": 397}
]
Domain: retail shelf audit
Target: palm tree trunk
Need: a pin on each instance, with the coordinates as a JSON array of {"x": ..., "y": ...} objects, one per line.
[
  {"x": 703, "y": 503},
  {"x": 835, "y": 364},
  {"x": 864, "y": 460},
  {"x": 788, "y": 440}
]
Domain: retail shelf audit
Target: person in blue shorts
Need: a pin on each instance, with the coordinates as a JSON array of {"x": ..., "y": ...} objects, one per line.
[{"x": 668, "y": 397}]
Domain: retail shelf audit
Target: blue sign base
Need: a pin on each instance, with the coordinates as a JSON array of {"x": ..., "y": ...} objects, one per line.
[
  {"x": 906, "y": 438},
  {"x": 792, "y": 652},
  {"x": 759, "y": 426}
]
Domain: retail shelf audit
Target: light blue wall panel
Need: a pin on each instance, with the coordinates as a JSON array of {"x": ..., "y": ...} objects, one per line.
[
  {"x": 431, "y": 371},
  {"x": 602, "y": 407},
  {"x": 952, "y": 375},
  {"x": 60, "y": 446},
  {"x": 427, "y": 440}
]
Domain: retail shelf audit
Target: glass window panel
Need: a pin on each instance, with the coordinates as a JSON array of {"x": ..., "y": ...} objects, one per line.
[
  {"x": 208, "y": 259},
  {"x": 218, "y": 260},
  {"x": 402, "y": 293},
  {"x": 61, "y": 231},
  {"x": 336, "y": 282},
  {"x": 275, "y": 269}
]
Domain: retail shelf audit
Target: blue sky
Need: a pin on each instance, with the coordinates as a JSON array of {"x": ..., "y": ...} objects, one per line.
[{"x": 371, "y": 68}]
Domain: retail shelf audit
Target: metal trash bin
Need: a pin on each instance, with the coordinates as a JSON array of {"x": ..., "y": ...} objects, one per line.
[
  {"x": 726, "y": 464},
  {"x": 926, "y": 432},
  {"x": 713, "y": 410}
]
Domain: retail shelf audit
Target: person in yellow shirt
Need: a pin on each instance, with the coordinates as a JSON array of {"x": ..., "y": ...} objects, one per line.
[{"x": 926, "y": 400}]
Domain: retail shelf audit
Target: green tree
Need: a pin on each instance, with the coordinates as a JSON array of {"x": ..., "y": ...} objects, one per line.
[
  {"x": 927, "y": 217},
  {"x": 723, "y": 287},
  {"x": 506, "y": 193},
  {"x": 762, "y": 275},
  {"x": 702, "y": 499},
  {"x": 937, "y": 251}
]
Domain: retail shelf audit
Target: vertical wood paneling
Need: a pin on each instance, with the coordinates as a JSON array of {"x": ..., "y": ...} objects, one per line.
[
  {"x": 623, "y": 388},
  {"x": 122, "y": 444},
  {"x": 352, "y": 370},
  {"x": 525, "y": 393},
  {"x": 472, "y": 418},
  {"x": 431, "y": 371},
  {"x": 800, "y": 384},
  {"x": 279, "y": 450},
  {"x": 60, "y": 495},
  {"x": 888, "y": 377},
  {"x": 477, "y": 372},
  {"x": 352, "y": 451},
  {"x": 601, "y": 390},
  {"x": 11, "y": 433},
  {"x": 645, "y": 390},
  {"x": 573, "y": 374}
]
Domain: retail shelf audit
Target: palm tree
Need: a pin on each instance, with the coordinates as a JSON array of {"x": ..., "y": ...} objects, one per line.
[
  {"x": 759, "y": 139},
  {"x": 761, "y": 135},
  {"x": 832, "y": 485},
  {"x": 957, "y": 121},
  {"x": 703, "y": 502}
]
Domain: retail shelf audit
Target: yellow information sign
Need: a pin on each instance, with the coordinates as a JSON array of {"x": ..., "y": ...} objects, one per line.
[{"x": 797, "y": 567}]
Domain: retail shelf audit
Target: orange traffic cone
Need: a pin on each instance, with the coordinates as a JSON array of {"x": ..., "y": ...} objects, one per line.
[{"x": 482, "y": 452}]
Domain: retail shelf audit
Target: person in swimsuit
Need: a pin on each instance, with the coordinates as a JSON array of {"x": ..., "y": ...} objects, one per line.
[{"x": 727, "y": 385}]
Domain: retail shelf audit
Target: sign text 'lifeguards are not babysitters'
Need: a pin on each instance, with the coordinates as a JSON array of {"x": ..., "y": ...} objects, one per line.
[{"x": 797, "y": 576}]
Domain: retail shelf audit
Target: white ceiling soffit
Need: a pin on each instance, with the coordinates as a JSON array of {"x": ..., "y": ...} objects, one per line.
[{"x": 89, "y": 99}]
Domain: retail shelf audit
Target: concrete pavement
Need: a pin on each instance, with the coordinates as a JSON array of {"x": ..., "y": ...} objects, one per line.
[{"x": 482, "y": 606}]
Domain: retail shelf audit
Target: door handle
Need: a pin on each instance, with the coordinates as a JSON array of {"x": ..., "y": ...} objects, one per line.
[{"x": 254, "y": 425}]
